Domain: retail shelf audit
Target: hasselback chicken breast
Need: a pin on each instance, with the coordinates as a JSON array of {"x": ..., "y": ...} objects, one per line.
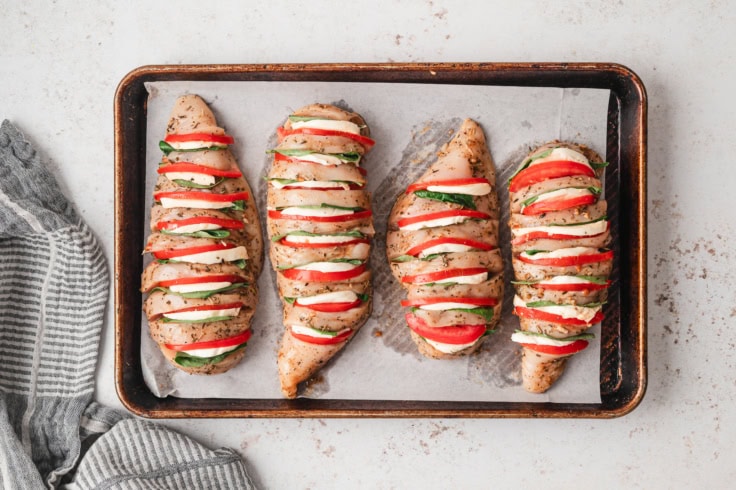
[
  {"x": 442, "y": 246},
  {"x": 559, "y": 231},
  {"x": 206, "y": 246},
  {"x": 320, "y": 227}
]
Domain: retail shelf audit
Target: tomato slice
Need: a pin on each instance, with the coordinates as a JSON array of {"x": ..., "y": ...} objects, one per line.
[
  {"x": 589, "y": 286},
  {"x": 189, "y": 167},
  {"x": 322, "y": 340},
  {"x": 364, "y": 141},
  {"x": 285, "y": 241},
  {"x": 231, "y": 224},
  {"x": 274, "y": 214},
  {"x": 287, "y": 158},
  {"x": 550, "y": 205},
  {"x": 443, "y": 274},
  {"x": 415, "y": 251},
  {"x": 548, "y": 170},
  {"x": 317, "y": 276},
  {"x": 456, "y": 334},
  {"x": 239, "y": 339},
  {"x": 535, "y": 314},
  {"x": 569, "y": 261},
  {"x": 450, "y": 213},
  {"x": 331, "y": 307},
  {"x": 202, "y": 196},
  {"x": 471, "y": 302},
  {"x": 231, "y": 278},
  {"x": 450, "y": 182},
  {"x": 550, "y": 236},
  {"x": 224, "y": 139},
  {"x": 178, "y": 252},
  {"x": 559, "y": 350}
]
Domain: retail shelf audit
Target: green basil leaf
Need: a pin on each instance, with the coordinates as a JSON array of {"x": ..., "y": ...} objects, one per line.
[
  {"x": 534, "y": 252},
  {"x": 186, "y": 360},
  {"x": 353, "y": 233},
  {"x": 597, "y": 165},
  {"x": 527, "y": 202},
  {"x": 167, "y": 148},
  {"x": 524, "y": 283},
  {"x": 213, "y": 319},
  {"x": 403, "y": 258},
  {"x": 240, "y": 263},
  {"x": 193, "y": 185},
  {"x": 602, "y": 218},
  {"x": 484, "y": 311},
  {"x": 594, "y": 279},
  {"x": 583, "y": 336},
  {"x": 200, "y": 234},
  {"x": 202, "y": 294},
  {"x": 464, "y": 200},
  {"x": 293, "y": 118},
  {"x": 289, "y": 300},
  {"x": 539, "y": 304},
  {"x": 282, "y": 181},
  {"x": 351, "y": 157},
  {"x": 364, "y": 297},
  {"x": 237, "y": 206}
]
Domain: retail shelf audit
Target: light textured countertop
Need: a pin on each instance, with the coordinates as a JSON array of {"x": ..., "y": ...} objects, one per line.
[{"x": 60, "y": 64}]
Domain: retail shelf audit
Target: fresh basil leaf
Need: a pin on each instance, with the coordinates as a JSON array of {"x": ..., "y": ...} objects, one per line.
[
  {"x": 602, "y": 218},
  {"x": 524, "y": 283},
  {"x": 583, "y": 336},
  {"x": 293, "y": 118},
  {"x": 484, "y": 311},
  {"x": 351, "y": 157},
  {"x": 167, "y": 148},
  {"x": 236, "y": 206},
  {"x": 594, "y": 279},
  {"x": 528, "y": 161},
  {"x": 281, "y": 181},
  {"x": 403, "y": 258},
  {"x": 202, "y": 294},
  {"x": 200, "y": 234},
  {"x": 194, "y": 185},
  {"x": 348, "y": 261},
  {"x": 527, "y": 202},
  {"x": 364, "y": 297},
  {"x": 595, "y": 190},
  {"x": 534, "y": 252},
  {"x": 464, "y": 200},
  {"x": 597, "y": 165},
  {"x": 289, "y": 300},
  {"x": 186, "y": 360},
  {"x": 353, "y": 233},
  {"x": 240, "y": 263},
  {"x": 430, "y": 257},
  {"x": 539, "y": 304},
  {"x": 489, "y": 331},
  {"x": 213, "y": 319}
]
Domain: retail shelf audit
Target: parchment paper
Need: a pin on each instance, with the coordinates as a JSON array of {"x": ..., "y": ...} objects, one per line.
[{"x": 409, "y": 123}]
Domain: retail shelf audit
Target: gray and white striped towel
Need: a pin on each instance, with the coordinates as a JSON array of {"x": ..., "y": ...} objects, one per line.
[{"x": 53, "y": 290}]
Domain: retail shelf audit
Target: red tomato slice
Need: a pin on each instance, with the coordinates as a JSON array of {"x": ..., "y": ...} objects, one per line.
[
  {"x": 443, "y": 274},
  {"x": 415, "y": 251},
  {"x": 471, "y": 302},
  {"x": 198, "y": 169},
  {"x": 556, "y": 350},
  {"x": 456, "y": 334},
  {"x": 331, "y": 307},
  {"x": 317, "y": 276},
  {"x": 535, "y": 314},
  {"x": 170, "y": 254},
  {"x": 224, "y": 139},
  {"x": 451, "y": 182},
  {"x": 550, "y": 236},
  {"x": 202, "y": 196},
  {"x": 283, "y": 158},
  {"x": 469, "y": 213},
  {"x": 231, "y": 224},
  {"x": 272, "y": 213},
  {"x": 285, "y": 241},
  {"x": 550, "y": 205},
  {"x": 548, "y": 170},
  {"x": 570, "y": 261},
  {"x": 590, "y": 286},
  {"x": 364, "y": 141},
  {"x": 201, "y": 279},
  {"x": 322, "y": 340},
  {"x": 213, "y": 344}
]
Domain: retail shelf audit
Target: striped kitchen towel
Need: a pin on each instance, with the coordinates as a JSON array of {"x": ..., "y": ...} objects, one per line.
[{"x": 53, "y": 291}]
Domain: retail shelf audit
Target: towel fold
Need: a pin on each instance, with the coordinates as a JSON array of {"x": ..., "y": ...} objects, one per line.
[{"x": 53, "y": 290}]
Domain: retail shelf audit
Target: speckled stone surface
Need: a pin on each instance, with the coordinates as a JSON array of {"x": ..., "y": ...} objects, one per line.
[{"x": 60, "y": 64}]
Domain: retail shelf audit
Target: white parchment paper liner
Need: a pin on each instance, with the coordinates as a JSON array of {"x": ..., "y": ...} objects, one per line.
[{"x": 409, "y": 123}]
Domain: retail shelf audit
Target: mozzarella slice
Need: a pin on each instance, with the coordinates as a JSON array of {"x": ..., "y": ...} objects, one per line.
[
  {"x": 195, "y": 227},
  {"x": 558, "y": 154},
  {"x": 472, "y": 279},
  {"x": 170, "y": 202},
  {"x": 434, "y": 223},
  {"x": 201, "y": 315},
  {"x": 320, "y": 239},
  {"x": 200, "y": 179},
  {"x": 444, "y": 248},
  {"x": 588, "y": 229},
  {"x": 332, "y": 297},
  {"x": 328, "y": 124},
  {"x": 193, "y": 145},
  {"x": 448, "y": 306},
  {"x": 214, "y": 257},
  {"x": 449, "y": 348},
  {"x": 477, "y": 189},
  {"x": 322, "y": 212},
  {"x": 311, "y": 332},
  {"x": 539, "y": 340},
  {"x": 563, "y": 252},
  {"x": 327, "y": 267},
  {"x": 202, "y": 286},
  {"x": 566, "y": 193},
  {"x": 565, "y": 280},
  {"x": 584, "y": 313},
  {"x": 322, "y": 184},
  {"x": 321, "y": 159},
  {"x": 216, "y": 351}
]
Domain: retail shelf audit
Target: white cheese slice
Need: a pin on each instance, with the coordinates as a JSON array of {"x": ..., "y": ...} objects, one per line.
[
  {"x": 477, "y": 189},
  {"x": 563, "y": 252},
  {"x": 584, "y": 313},
  {"x": 332, "y": 297},
  {"x": 588, "y": 229},
  {"x": 321, "y": 159},
  {"x": 321, "y": 184},
  {"x": 216, "y": 351},
  {"x": 195, "y": 227},
  {"x": 472, "y": 279},
  {"x": 434, "y": 223},
  {"x": 201, "y": 315},
  {"x": 171, "y": 202},
  {"x": 538, "y": 340},
  {"x": 444, "y": 248},
  {"x": 566, "y": 193},
  {"x": 562, "y": 154},
  {"x": 449, "y": 348},
  {"x": 321, "y": 212},
  {"x": 565, "y": 280},
  {"x": 200, "y": 179},
  {"x": 311, "y": 332},
  {"x": 202, "y": 286},
  {"x": 193, "y": 145},
  {"x": 328, "y": 124},
  {"x": 214, "y": 257},
  {"x": 448, "y": 306},
  {"x": 320, "y": 239},
  {"x": 327, "y": 267}
]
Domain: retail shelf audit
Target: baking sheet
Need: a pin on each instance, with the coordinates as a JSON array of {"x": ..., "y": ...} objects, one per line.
[{"x": 409, "y": 122}]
